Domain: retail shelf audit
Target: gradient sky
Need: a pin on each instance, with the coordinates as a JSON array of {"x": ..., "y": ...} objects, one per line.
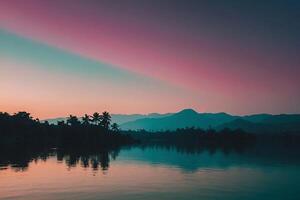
[{"x": 59, "y": 57}]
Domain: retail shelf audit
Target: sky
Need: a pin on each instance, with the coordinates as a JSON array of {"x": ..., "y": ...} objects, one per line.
[{"x": 61, "y": 57}]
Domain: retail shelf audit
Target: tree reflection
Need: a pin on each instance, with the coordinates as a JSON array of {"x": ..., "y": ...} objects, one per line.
[
  {"x": 99, "y": 158},
  {"x": 18, "y": 159}
]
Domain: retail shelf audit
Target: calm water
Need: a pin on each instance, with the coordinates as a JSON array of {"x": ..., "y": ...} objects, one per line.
[{"x": 152, "y": 173}]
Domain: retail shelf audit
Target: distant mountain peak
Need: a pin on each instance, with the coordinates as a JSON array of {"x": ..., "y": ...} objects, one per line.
[{"x": 188, "y": 111}]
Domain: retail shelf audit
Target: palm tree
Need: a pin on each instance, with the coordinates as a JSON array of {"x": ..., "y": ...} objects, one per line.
[
  {"x": 96, "y": 118},
  {"x": 73, "y": 121},
  {"x": 105, "y": 120},
  {"x": 86, "y": 120},
  {"x": 115, "y": 127}
]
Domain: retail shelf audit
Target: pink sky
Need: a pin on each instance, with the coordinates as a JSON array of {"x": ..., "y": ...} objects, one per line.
[{"x": 223, "y": 72}]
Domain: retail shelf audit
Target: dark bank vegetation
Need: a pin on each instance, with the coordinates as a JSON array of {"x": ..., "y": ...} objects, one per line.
[
  {"x": 195, "y": 138},
  {"x": 225, "y": 136},
  {"x": 89, "y": 132}
]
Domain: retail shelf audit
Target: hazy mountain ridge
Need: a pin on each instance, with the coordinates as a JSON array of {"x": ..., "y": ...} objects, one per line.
[
  {"x": 123, "y": 118},
  {"x": 117, "y": 118},
  {"x": 182, "y": 119},
  {"x": 55, "y": 120},
  {"x": 256, "y": 123}
]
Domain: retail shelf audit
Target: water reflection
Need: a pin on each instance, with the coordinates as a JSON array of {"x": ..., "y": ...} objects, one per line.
[
  {"x": 19, "y": 159},
  {"x": 187, "y": 157},
  {"x": 152, "y": 171}
]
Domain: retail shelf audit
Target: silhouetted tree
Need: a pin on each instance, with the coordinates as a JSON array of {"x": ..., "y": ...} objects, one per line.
[
  {"x": 115, "y": 127},
  {"x": 105, "y": 120},
  {"x": 86, "y": 120},
  {"x": 96, "y": 118},
  {"x": 73, "y": 121}
]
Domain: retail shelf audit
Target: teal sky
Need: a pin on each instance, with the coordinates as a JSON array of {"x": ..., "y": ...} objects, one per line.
[{"x": 31, "y": 72}]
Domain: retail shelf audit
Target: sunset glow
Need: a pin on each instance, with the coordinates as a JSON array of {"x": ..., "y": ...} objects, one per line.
[{"x": 62, "y": 57}]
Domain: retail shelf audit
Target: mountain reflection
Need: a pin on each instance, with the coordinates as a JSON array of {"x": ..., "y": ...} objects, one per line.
[{"x": 96, "y": 158}]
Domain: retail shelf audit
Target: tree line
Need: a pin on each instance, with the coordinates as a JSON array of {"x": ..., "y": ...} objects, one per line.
[
  {"x": 24, "y": 118},
  {"x": 101, "y": 120},
  {"x": 86, "y": 132}
]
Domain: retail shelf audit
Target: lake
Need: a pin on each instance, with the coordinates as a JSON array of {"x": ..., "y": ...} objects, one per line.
[{"x": 151, "y": 172}]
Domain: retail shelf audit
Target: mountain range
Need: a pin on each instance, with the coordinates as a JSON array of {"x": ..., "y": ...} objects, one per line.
[{"x": 258, "y": 123}]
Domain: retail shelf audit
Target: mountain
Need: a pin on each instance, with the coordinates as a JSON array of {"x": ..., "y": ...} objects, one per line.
[
  {"x": 258, "y": 123},
  {"x": 182, "y": 119},
  {"x": 240, "y": 123},
  {"x": 267, "y": 124},
  {"x": 291, "y": 119},
  {"x": 117, "y": 118},
  {"x": 257, "y": 117},
  {"x": 123, "y": 118},
  {"x": 55, "y": 120},
  {"x": 283, "y": 122}
]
